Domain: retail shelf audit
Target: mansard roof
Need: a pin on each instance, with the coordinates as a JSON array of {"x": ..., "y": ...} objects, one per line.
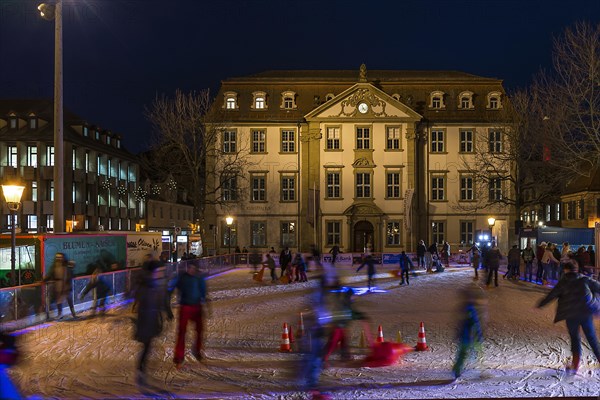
[
  {"x": 43, "y": 109},
  {"x": 312, "y": 86},
  {"x": 589, "y": 183}
]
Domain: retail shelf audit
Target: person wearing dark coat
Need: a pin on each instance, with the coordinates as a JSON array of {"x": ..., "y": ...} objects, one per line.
[
  {"x": 573, "y": 292},
  {"x": 103, "y": 288},
  {"x": 421, "y": 249},
  {"x": 150, "y": 307},
  {"x": 405, "y": 266},
  {"x": 61, "y": 274},
  {"x": 370, "y": 263},
  {"x": 285, "y": 258},
  {"x": 492, "y": 260}
]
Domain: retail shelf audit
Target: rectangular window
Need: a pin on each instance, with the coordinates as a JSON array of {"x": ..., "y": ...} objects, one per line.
[
  {"x": 32, "y": 222},
  {"x": 465, "y": 102},
  {"x": 437, "y": 188},
  {"x": 534, "y": 217},
  {"x": 393, "y": 233},
  {"x": 288, "y": 188},
  {"x": 437, "y": 142},
  {"x": 50, "y": 222},
  {"x": 438, "y": 232},
  {"x": 13, "y": 122},
  {"x": 32, "y": 160},
  {"x": 74, "y": 157},
  {"x": 50, "y": 156},
  {"x": 258, "y": 141},
  {"x": 363, "y": 138},
  {"x": 288, "y": 141},
  {"x": 363, "y": 185},
  {"x": 333, "y": 185},
  {"x": 557, "y": 211},
  {"x": 333, "y": 138},
  {"x": 229, "y": 189},
  {"x": 229, "y": 142},
  {"x": 288, "y": 234},
  {"x": 495, "y": 189},
  {"x": 74, "y": 192},
  {"x": 466, "y": 232},
  {"x": 259, "y": 234},
  {"x": 548, "y": 213},
  {"x": 466, "y": 141},
  {"x": 50, "y": 191},
  {"x": 259, "y": 188},
  {"x": 11, "y": 156},
  {"x": 230, "y": 103},
  {"x": 334, "y": 233},
  {"x": 392, "y": 135},
  {"x": 34, "y": 191},
  {"x": 393, "y": 185},
  {"x": 580, "y": 209},
  {"x": 466, "y": 188},
  {"x": 87, "y": 161},
  {"x": 495, "y": 141}
]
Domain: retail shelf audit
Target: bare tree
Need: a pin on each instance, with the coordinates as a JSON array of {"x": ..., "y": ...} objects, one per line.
[
  {"x": 187, "y": 145},
  {"x": 506, "y": 164},
  {"x": 567, "y": 101}
]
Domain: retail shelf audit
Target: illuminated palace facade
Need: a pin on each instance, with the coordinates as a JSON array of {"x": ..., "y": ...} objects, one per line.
[
  {"x": 100, "y": 181},
  {"x": 360, "y": 159}
]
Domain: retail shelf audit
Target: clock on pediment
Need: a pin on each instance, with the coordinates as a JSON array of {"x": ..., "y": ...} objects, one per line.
[{"x": 363, "y": 108}]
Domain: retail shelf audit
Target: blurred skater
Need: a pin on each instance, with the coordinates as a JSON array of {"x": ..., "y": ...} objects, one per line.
[
  {"x": 103, "y": 286},
  {"x": 285, "y": 258},
  {"x": 150, "y": 307},
  {"x": 61, "y": 275},
  {"x": 475, "y": 259},
  {"x": 405, "y": 266},
  {"x": 9, "y": 355},
  {"x": 300, "y": 268},
  {"x": 370, "y": 263},
  {"x": 575, "y": 293},
  {"x": 192, "y": 294},
  {"x": 270, "y": 263},
  {"x": 470, "y": 335}
]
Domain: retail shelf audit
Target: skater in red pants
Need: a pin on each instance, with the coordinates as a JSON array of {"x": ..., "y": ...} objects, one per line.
[
  {"x": 192, "y": 293},
  {"x": 341, "y": 316}
]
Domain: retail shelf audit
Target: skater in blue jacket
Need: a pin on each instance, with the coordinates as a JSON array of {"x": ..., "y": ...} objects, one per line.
[{"x": 470, "y": 335}]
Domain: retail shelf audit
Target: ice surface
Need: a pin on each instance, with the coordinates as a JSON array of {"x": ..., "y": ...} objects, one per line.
[{"x": 524, "y": 352}]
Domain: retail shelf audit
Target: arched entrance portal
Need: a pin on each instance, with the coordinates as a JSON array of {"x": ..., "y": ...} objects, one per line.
[{"x": 363, "y": 236}]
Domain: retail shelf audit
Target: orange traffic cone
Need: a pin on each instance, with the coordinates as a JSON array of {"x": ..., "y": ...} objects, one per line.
[
  {"x": 300, "y": 331},
  {"x": 285, "y": 340},
  {"x": 380, "y": 335},
  {"x": 421, "y": 342}
]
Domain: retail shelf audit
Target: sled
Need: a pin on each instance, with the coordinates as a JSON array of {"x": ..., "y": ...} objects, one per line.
[
  {"x": 258, "y": 276},
  {"x": 383, "y": 354}
]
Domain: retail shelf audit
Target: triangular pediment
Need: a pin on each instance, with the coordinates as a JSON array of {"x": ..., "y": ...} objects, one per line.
[{"x": 376, "y": 104}]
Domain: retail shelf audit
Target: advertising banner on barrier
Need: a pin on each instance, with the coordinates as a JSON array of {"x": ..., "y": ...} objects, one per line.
[
  {"x": 140, "y": 244},
  {"x": 391, "y": 258},
  {"x": 342, "y": 258},
  {"x": 358, "y": 258},
  {"x": 87, "y": 251}
]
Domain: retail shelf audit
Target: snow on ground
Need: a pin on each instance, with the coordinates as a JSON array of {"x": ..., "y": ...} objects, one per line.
[{"x": 524, "y": 352}]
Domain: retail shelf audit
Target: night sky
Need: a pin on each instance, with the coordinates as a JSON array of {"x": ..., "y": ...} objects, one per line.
[{"x": 119, "y": 54}]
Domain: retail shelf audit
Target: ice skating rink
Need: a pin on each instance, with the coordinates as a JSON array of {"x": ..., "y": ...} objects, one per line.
[{"x": 524, "y": 353}]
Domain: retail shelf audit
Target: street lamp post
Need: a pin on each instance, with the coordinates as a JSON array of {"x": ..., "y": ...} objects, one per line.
[
  {"x": 491, "y": 223},
  {"x": 229, "y": 221},
  {"x": 54, "y": 12},
  {"x": 12, "y": 195}
]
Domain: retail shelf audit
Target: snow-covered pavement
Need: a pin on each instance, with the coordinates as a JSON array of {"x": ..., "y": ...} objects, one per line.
[{"x": 524, "y": 353}]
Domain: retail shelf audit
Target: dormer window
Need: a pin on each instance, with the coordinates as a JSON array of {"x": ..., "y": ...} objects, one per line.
[
  {"x": 493, "y": 101},
  {"x": 85, "y": 131},
  {"x": 118, "y": 143},
  {"x": 97, "y": 134},
  {"x": 437, "y": 100},
  {"x": 259, "y": 101},
  {"x": 33, "y": 122},
  {"x": 107, "y": 139},
  {"x": 329, "y": 96},
  {"x": 288, "y": 100},
  {"x": 231, "y": 102},
  {"x": 465, "y": 101},
  {"x": 13, "y": 122}
]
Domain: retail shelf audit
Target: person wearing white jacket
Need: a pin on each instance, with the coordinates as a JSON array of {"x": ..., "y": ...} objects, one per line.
[{"x": 547, "y": 260}]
